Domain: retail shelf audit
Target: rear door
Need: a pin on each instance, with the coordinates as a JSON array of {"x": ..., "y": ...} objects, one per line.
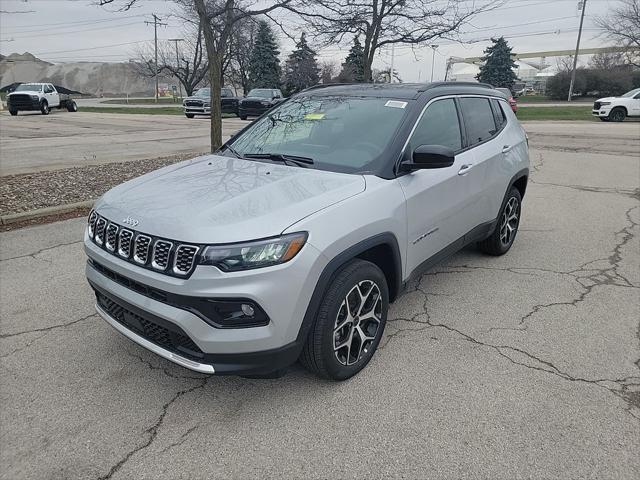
[{"x": 437, "y": 199}]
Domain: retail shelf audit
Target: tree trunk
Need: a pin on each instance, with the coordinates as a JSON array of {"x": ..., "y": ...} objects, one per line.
[{"x": 214, "y": 76}]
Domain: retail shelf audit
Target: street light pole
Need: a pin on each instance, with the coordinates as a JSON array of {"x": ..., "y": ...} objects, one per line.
[
  {"x": 433, "y": 59},
  {"x": 176, "y": 40},
  {"x": 575, "y": 57},
  {"x": 156, "y": 22}
]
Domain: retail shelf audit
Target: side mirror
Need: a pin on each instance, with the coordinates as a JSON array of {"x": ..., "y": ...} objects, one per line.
[{"x": 429, "y": 156}]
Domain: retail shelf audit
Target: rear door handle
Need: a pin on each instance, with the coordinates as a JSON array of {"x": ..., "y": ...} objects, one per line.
[
  {"x": 506, "y": 148},
  {"x": 464, "y": 169}
]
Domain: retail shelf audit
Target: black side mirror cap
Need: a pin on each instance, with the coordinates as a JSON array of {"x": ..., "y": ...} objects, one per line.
[{"x": 429, "y": 156}]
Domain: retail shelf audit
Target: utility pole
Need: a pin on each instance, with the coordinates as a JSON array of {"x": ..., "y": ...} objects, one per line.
[
  {"x": 433, "y": 59},
  {"x": 156, "y": 22},
  {"x": 393, "y": 61},
  {"x": 575, "y": 57},
  {"x": 178, "y": 61}
]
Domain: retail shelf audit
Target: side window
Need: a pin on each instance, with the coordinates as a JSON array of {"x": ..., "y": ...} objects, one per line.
[
  {"x": 48, "y": 89},
  {"x": 637, "y": 97},
  {"x": 498, "y": 113},
  {"x": 478, "y": 119},
  {"x": 438, "y": 126}
]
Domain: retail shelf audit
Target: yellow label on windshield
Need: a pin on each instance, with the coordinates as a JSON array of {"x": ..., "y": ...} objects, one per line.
[{"x": 314, "y": 116}]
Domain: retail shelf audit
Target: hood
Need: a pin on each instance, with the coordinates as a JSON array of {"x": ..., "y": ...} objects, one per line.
[
  {"x": 216, "y": 199},
  {"x": 193, "y": 97},
  {"x": 606, "y": 99},
  {"x": 257, "y": 99},
  {"x": 25, "y": 92}
]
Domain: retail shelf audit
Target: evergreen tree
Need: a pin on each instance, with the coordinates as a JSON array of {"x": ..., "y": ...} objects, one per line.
[
  {"x": 264, "y": 64},
  {"x": 498, "y": 66},
  {"x": 301, "y": 69},
  {"x": 353, "y": 66}
]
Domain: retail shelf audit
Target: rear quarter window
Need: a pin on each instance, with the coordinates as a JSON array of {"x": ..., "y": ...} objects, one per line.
[{"x": 479, "y": 119}]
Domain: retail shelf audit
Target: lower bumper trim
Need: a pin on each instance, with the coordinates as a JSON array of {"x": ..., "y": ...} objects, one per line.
[{"x": 184, "y": 362}]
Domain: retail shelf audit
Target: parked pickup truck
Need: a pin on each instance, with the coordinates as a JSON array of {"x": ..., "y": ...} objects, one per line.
[
  {"x": 38, "y": 96},
  {"x": 200, "y": 102}
]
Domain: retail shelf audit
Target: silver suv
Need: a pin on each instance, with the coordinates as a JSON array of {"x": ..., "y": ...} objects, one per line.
[{"x": 293, "y": 239}]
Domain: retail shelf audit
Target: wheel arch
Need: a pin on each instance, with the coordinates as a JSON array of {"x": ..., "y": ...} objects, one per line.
[{"x": 382, "y": 250}]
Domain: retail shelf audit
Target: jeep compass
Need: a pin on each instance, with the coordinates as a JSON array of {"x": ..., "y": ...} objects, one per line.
[{"x": 291, "y": 241}]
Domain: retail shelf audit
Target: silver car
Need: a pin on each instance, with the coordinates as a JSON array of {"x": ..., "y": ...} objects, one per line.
[{"x": 291, "y": 241}]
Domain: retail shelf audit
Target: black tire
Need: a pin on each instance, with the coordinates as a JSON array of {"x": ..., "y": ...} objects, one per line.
[
  {"x": 352, "y": 281},
  {"x": 189, "y": 115},
  {"x": 243, "y": 117},
  {"x": 44, "y": 107},
  {"x": 13, "y": 112},
  {"x": 505, "y": 232},
  {"x": 604, "y": 119},
  {"x": 618, "y": 114},
  {"x": 72, "y": 106}
]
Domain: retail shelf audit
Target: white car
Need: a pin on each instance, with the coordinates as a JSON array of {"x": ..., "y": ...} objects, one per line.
[
  {"x": 617, "y": 109},
  {"x": 39, "y": 97}
]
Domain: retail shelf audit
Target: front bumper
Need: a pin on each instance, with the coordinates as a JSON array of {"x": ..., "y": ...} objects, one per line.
[
  {"x": 282, "y": 291},
  {"x": 603, "y": 111},
  {"x": 244, "y": 111}
]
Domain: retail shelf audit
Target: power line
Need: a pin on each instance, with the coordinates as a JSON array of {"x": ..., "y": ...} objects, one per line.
[
  {"x": 156, "y": 22},
  {"x": 91, "y": 48},
  {"x": 62, "y": 32},
  {"x": 33, "y": 28}
]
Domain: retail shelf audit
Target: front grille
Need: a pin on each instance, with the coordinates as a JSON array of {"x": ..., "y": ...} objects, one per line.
[
  {"x": 185, "y": 256},
  {"x": 193, "y": 103},
  {"x": 158, "y": 254},
  {"x": 21, "y": 100},
  {"x": 596, "y": 106},
  {"x": 253, "y": 104},
  {"x": 165, "y": 334}
]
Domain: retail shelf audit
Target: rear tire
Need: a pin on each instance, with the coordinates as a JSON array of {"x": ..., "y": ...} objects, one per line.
[
  {"x": 505, "y": 232},
  {"x": 352, "y": 316},
  {"x": 13, "y": 112},
  {"x": 618, "y": 114},
  {"x": 189, "y": 115},
  {"x": 72, "y": 106},
  {"x": 44, "y": 107}
]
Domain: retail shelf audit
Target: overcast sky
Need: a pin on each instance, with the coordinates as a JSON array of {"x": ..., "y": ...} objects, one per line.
[{"x": 78, "y": 30}]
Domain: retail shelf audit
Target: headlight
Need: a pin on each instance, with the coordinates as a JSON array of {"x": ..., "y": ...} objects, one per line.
[
  {"x": 261, "y": 253},
  {"x": 206, "y": 104},
  {"x": 266, "y": 102},
  {"x": 34, "y": 97},
  {"x": 602, "y": 104}
]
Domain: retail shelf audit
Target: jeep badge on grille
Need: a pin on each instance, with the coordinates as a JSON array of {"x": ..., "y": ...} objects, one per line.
[{"x": 131, "y": 221}]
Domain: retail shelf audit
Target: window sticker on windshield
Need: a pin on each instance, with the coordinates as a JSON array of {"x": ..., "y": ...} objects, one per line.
[
  {"x": 314, "y": 116},
  {"x": 395, "y": 104}
]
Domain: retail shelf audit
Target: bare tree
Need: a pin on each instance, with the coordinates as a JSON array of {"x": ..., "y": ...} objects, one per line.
[
  {"x": 189, "y": 64},
  {"x": 608, "y": 60},
  {"x": 218, "y": 19},
  {"x": 328, "y": 71},
  {"x": 622, "y": 25},
  {"x": 386, "y": 22}
]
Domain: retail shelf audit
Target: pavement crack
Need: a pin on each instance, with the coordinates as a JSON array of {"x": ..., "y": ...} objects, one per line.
[
  {"x": 34, "y": 254},
  {"x": 151, "y": 366},
  {"x": 152, "y": 431},
  {"x": 48, "y": 329},
  {"x": 183, "y": 438}
]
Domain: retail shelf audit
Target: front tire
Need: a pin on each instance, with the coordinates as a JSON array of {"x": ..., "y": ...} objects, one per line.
[
  {"x": 13, "y": 112},
  {"x": 44, "y": 107},
  {"x": 350, "y": 322},
  {"x": 242, "y": 117},
  {"x": 189, "y": 115},
  {"x": 505, "y": 232},
  {"x": 618, "y": 114}
]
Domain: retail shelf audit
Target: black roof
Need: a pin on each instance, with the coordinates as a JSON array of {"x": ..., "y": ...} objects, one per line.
[{"x": 396, "y": 90}]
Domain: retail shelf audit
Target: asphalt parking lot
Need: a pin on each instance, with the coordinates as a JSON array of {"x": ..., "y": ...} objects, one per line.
[
  {"x": 64, "y": 139},
  {"x": 523, "y": 366}
]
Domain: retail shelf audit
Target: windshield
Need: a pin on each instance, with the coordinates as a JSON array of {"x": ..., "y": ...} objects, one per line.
[
  {"x": 261, "y": 92},
  {"x": 203, "y": 92},
  {"x": 29, "y": 87},
  {"x": 342, "y": 134},
  {"x": 631, "y": 93},
  {"x": 225, "y": 92}
]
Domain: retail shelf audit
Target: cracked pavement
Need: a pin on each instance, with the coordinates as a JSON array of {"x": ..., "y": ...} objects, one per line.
[{"x": 523, "y": 366}]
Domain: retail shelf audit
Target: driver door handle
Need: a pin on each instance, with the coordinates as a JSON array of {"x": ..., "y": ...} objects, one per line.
[
  {"x": 464, "y": 169},
  {"x": 506, "y": 148}
]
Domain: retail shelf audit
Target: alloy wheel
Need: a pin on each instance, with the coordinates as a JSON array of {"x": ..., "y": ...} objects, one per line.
[
  {"x": 509, "y": 221},
  {"x": 357, "y": 323}
]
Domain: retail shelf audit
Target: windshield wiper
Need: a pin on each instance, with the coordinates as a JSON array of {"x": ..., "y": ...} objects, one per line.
[
  {"x": 281, "y": 157},
  {"x": 233, "y": 150}
]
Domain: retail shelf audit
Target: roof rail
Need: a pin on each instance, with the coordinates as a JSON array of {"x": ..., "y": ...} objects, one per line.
[
  {"x": 454, "y": 84},
  {"x": 324, "y": 85}
]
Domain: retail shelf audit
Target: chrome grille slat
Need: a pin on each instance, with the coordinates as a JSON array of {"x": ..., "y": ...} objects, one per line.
[
  {"x": 141, "y": 249},
  {"x": 160, "y": 256},
  {"x": 184, "y": 258},
  {"x": 111, "y": 237},
  {"x": 124, "y": 244},
  {"x": 93, "y": 217},
  {"x": 101, "y": 224}
]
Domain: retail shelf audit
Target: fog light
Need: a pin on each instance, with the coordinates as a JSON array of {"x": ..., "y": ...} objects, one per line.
[{"x": 248, "y": 310}]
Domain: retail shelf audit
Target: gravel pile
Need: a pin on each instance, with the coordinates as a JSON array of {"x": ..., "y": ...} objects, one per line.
[{"x": 30, "y": 191}]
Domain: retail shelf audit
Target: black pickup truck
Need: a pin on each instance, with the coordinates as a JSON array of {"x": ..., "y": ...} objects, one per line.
[{"x": 200, "y": 102}]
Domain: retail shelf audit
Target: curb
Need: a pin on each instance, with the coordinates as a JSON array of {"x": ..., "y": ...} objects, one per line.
[{"x": 44, "y": 212}]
